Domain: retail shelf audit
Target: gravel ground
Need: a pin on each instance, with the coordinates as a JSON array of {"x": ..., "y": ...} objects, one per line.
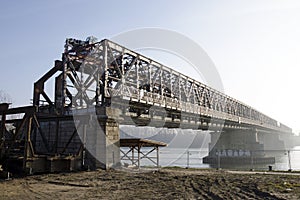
[{"x": 167, "y": 183}]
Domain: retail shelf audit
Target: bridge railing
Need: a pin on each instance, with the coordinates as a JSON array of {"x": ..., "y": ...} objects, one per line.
[{"x": 142, "y": 96}]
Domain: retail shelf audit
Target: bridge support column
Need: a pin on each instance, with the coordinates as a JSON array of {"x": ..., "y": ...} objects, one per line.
[
  {"x": 236, "y": 147},
  {"x": 103, "y": 140},
  {"x": 271, "y": 141}
]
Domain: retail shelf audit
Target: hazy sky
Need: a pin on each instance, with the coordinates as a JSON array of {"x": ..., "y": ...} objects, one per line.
[{"x": 254, "y": 44}]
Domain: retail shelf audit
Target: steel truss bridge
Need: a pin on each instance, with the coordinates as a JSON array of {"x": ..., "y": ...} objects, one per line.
[
  {"x": 119, "y": 86},
  {"x": 107, "y": 74}
]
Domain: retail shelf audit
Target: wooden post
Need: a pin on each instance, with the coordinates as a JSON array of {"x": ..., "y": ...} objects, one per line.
[
  {"x": 157, "y": 156},
  {"x": 2, "y": 133},
  {"x": 219, "y": 160},
  {"x": 139, "y": 156},
  {"x": 27, "y": 151},
  {"x": 56, "y": 135},
  {"x": 84, "y": 144},
  {"x": 3, "y": 126},
  {"x": 188, "y": 159},
  {"x": 289, "y": 160},
  {"x": 132, "y": 160}
]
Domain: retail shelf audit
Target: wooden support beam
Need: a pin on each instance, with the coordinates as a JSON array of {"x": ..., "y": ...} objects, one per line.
[
  {"x": 18, "y": 129},
  {"x": 41, "y": 133},
  {"x": 2, "y": 133},
  {"x": 27, "y": 152},
  {"x": 69, "y": 141},
  {"x": 20, "y": 110},
  {"x": 39, "y": 85},
  {"x": 47, "y": 98}
]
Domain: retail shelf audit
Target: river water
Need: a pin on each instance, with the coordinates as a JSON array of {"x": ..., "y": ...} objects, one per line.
[{"x": 193, "y": 158}]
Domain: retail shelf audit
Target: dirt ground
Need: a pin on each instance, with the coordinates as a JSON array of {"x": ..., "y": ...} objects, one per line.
[{"x": 167, "y": 183}]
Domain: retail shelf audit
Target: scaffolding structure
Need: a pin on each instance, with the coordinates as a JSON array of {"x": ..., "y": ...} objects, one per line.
[{"x": 143, "y": 149}]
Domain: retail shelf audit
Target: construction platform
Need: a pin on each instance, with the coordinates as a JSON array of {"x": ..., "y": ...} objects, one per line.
[{"x": 136, "y": 144}]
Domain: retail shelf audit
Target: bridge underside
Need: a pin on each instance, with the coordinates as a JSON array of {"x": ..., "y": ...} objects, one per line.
[{"x": 100, "y": 85}]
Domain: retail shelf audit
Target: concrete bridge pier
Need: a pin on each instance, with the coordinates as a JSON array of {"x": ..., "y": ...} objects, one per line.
[
  {"x": 236, "y": 147},
  {"x": 101, "y": 138},
  {"x": 272, "y": 141}
]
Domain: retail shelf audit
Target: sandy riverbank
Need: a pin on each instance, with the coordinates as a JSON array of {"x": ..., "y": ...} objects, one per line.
[{"x": 167, "y": 183}]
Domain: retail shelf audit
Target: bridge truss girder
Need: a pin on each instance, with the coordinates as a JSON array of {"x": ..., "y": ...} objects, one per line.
[{"x": 107, "y": 74}]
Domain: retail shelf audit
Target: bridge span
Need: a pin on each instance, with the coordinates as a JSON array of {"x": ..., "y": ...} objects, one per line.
[{"x": 99, "y": 85}]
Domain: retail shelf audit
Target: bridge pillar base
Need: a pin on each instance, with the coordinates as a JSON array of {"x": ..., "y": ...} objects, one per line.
[
  {"x": 236, "y": 147},
  {"x": 271, "y": 141},
  {"x": 103, "y": 140}
]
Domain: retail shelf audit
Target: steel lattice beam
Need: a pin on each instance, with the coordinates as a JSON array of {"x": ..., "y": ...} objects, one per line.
[{"x": 96, "y": 73}]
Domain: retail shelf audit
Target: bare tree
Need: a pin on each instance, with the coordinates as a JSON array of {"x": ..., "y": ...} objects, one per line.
[{"x": 5, "y": 97}]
